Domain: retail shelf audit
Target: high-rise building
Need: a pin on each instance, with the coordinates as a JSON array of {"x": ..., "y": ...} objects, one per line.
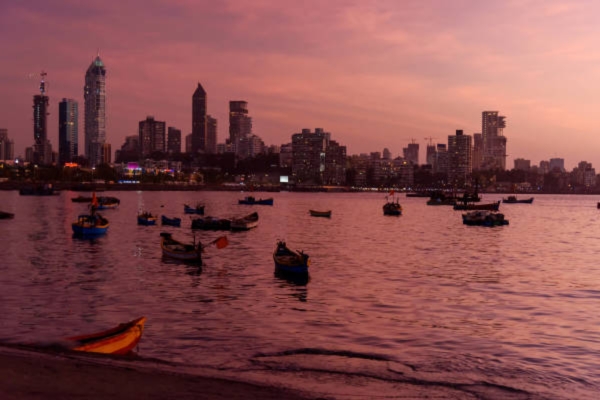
[
  {"x": 240, "y": 126},
  {"x": 522, "y": 165},
  {"x": 411, "y": 153},
  {"x": 316, "y": 159},
  {"x": 211, "y": 135},
  {"x": 199, "y": 120},
  {"x": 494, "y": 142},
  {"x": 42, "y": 152},
  {"x": 68, "y": 126},
  {"x": 173, "y": 140},
  {"x": 7, "y": 146},
  {"x": 460, "y": 158},
  {"x": 106, "y": 153},
  {"x": 430, "y": 154},
  {"x": 152, "y": 136},
  {"x": 188, "y": 143},
  {"x": 440, "y": 166},
  {"x": 557, "y": 164},
  {"x": 477, "y": 151},
  {"x": 94, "y": 97}
]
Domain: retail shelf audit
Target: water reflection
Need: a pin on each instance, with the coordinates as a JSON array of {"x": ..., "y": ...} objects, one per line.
[{"x": 293, "y": 278}]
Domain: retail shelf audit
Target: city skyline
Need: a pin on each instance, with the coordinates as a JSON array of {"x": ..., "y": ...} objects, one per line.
[{"x": 375, "y": 75}]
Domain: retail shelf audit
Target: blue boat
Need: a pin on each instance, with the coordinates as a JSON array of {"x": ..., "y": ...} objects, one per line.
[
  {"x": 199, "y": 209},
  {"x": 170, "y": 221},
  {"x": 251, "y": 200},
  {"x": 288, "y": 261},
  {"x": 146, "y": 218},
  {"x": 90, "y": 225}
]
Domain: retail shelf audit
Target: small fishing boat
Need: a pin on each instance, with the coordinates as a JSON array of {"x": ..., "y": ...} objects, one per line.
[
  {"x": 199, "y": 209},
  {"x": 246, "y": 223},
  {"x": 514, "y": 200},
  {"x": 105, "y": 202},
  {"x": 315, "y": 213},
  {"x": 170, "y": 221},
  {"x": 181, "y": 251},
  {"x": 6, "y": 215},
  {"x": 251, "y": 200},
  {"x": 90, "y": 225},
  {"x": 484, "y": 218},
  {"x": 470, "y": 206},
  {"x": 288, "y": 261},
  {"x": 119, "y": 340},
  {"x": 392, "y": 208},
  {"x": 211, "y": 223},
  {"x": 81, "y": 199},
  {"x": 146, "y": 218}
]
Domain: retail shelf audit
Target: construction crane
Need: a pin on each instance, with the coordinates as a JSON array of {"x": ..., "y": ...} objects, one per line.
[
  {"x": 43, "y": 83},
  {"x": 430, "y": 140}
]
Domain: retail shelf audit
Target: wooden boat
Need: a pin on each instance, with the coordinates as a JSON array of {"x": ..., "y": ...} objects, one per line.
[
  {"x": 484, "y": 218},
  {"x": 288, "y": 261},
  {"x": 211, "y": 223},
  {"x": 199, "y": 209},
  {"x": 181, "y": 251},
  {"x": 118, "y": 340},
  {"x": 146, "y": 218},
  {"x": 392, "y": 208},
  {"x": 6, "y": 215},
  {"x": 105, "y": 202},
  {"x": 251, "y": 200},
  {"x": 246, "y": 223},
  {"x": 90, "y": 225},
  {"x": 514, "y": 200},
  {"x": 81, "y": 199},
  {"x": 315, "y": 213},
  {"x": 470, "y": 206},
  {"x": 170, "y": 221}
]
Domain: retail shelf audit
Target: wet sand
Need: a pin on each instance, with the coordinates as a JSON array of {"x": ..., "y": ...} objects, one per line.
[{"x": 29, "y": 373}]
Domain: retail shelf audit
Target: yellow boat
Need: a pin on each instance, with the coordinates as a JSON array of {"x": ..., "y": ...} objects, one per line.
[{"x": 119, "y": 340}]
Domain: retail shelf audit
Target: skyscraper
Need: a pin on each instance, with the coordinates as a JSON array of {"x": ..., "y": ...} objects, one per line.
[
  {"x": 411, "y": 153},
  {"x": 211, "y": 134},
  {"x": 7, "y": 146},
  {"x": 152, "y": 136},
  {"x": 68, "y": 127},
  {"x": 42, "y": 152},
  {"x": 173, "y": 140},
  {"x": 240, "y": 125},
  {"x": 94, "y": 96},
  {"x": 494, "y": 143},
  {"x": 199, "y": 120},
  {"x": 460, "y": 158}
]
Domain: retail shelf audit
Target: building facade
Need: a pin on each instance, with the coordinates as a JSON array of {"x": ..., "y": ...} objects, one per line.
[
  {"x": 494, "y": 142},
  {"x": 199, "y": 120},
  {"x": 411, "y": 153},
  {"x": 94, "y": 97},
  {"x": 42, "y": 151},
  {"x": 173, "y": 140},
  {"x": 240, "y": 126},
  {"x": 460, "y": 159},
  {"x": 477, "y": 151},
  {"x": 152, "y": 136},
  {"x": 68, "y": 131},
  {"x": 7, "y": 147},
  {"x": 316, "y": 159},
  {"x": 211, "y": 135}
]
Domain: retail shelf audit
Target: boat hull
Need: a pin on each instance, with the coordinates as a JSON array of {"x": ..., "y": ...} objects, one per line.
[
  {"x": 290, "y": 262},
  {"x": 324, "y": 214},
  {"x": 119, "y": 340},
  {"x": 170, "y": 221},
  {"x": 523, "y": 201},
  {"x": 193, "y": 210},
  {"x": 146, "y": 220},
  {"x": 490, "y": 206},
  {"x": 252, "y": 201}
]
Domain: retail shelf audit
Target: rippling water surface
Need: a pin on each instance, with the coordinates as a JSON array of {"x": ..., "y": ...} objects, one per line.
[{"x": 421, "y": 298}]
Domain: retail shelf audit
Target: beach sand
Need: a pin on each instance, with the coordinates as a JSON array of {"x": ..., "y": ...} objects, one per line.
[{"x": 29, "y": 373}]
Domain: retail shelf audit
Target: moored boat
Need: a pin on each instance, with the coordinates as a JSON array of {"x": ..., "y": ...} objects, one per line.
[
  {"x": 211, "y": 223},
  {"x": 470, "y": 206},
  {"x": 105, "y": 202},
  {"x": 251, "y": 200},
  {"x": 181, "y": 251},
  {"x": 246, "y": 223},
  {"x": 170, "y": 221},
  {"x": 514, "y": 200},
  {"x": 199, "y": 209},
  {"x": 288, "y": 261},
  {"x": 81, "y": 199},
  {"x": 392, "y": 208},
  {"x": 6, "y": 215},
  {"x": 118, "y": 340},
  {"x": 315, "y": 213},
  {"x": 146, "y": 218},
  {"x": 90, "y": 225},
  {"x": 484, "y": 218}
]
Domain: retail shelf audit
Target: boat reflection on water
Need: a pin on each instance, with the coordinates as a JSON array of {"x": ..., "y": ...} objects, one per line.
[
  {"x": 293, "y": 278},
  {"x": 295, "y": 284}
]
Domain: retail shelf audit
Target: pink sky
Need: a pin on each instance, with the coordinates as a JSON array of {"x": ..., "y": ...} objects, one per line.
[{"x": 375, "y": 74}]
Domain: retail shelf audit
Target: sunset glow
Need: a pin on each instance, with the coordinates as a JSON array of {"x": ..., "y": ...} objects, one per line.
[{"x": 375, "y": 74}]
